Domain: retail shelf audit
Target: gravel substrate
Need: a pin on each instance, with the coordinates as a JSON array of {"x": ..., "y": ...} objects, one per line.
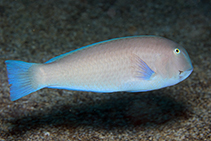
[{"x": 37, "y": 30}]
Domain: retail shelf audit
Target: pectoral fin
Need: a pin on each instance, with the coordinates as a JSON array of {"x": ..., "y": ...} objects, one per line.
[{"x": 143, "y": 70}]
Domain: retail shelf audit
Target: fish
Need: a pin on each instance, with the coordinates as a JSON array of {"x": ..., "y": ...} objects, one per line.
[{"x": 131, "y": 64}]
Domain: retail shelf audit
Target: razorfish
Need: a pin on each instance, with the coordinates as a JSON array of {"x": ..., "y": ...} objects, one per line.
[{"x": 132, "y": 64}]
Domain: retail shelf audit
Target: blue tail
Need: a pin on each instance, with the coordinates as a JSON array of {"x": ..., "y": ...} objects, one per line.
[{"x": 20, "y": 79}]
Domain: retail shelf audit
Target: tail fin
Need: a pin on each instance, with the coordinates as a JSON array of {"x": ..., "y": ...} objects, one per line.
[{"x": 20, "y": 78}]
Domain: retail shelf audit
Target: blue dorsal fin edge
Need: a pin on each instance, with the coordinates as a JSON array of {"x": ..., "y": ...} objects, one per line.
[{"x": 65, "y": 54}]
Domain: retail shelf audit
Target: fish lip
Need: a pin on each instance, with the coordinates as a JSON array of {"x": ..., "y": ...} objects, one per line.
[
  {"x": 190, "y": 69},
  {"x": 185, "y": 73}
]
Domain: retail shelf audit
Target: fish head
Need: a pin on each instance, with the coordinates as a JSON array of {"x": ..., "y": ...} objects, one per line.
[{"x": 179, "y": 64}]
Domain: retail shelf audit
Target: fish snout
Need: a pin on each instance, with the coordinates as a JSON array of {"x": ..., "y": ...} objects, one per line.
[{"x": 184, "y": 74}]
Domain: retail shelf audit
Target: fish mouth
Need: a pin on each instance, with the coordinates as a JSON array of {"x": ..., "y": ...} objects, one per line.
[{"x": 184, "y": 74}]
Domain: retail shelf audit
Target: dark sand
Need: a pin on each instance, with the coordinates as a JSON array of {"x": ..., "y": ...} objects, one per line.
[{"x": 36, "y": 31}]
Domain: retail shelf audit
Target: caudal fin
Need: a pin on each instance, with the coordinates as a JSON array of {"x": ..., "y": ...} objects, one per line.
[{"x": 20, "y": 78}]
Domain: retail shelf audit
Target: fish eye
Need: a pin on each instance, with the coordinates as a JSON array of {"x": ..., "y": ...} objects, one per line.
[{"x": 177, "y": 51}]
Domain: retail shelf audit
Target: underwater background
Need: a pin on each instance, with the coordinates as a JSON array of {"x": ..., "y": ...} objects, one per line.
[{"x": 37, "y": 30}]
